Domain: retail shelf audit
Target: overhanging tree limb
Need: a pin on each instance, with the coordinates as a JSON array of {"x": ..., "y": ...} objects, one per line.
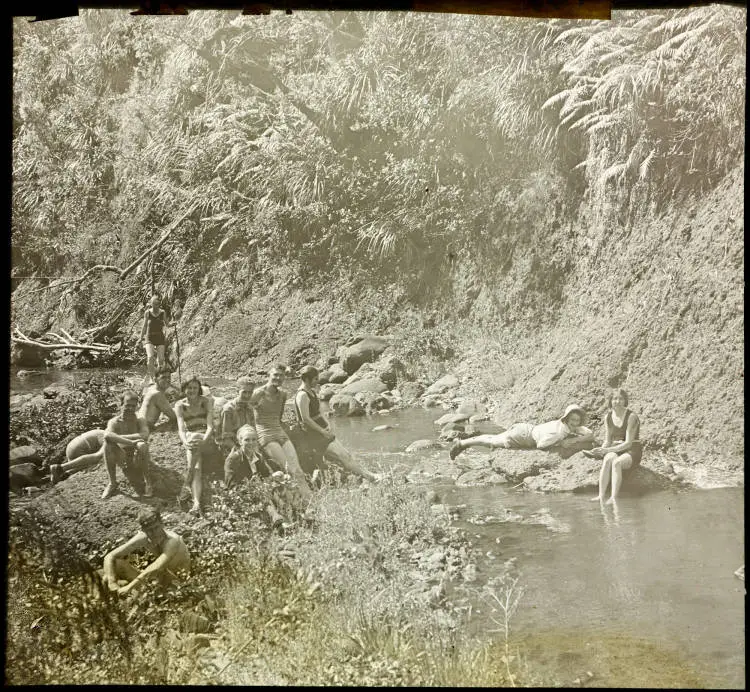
[{"x": 123, "y": 273}]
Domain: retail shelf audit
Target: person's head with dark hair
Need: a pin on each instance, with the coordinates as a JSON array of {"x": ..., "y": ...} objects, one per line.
[
  {"x": 276, "y": 375},
  {"x": 309, "y": 374},
  {"x": 150, "y": 521},
  {"x": 616, "y": 394},
  {"x": 128, "y": 402},
  {"x": 244, "y": 388},
  {"x": 148, "y": 516},
  {"x": 192, "y": 388}
]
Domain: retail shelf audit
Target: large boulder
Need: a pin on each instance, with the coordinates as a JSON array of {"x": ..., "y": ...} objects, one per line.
[
  {"x": 22, "y": 455},
  {"x": 388, "y": 369},
  {"x": 518, "y": 464},
  {"x": 450, "y": 418},
  {"x": 581, "y": 474},
  {"x": 345, "y": 405},
  {"x": 366, "y": 349},
  {"x": 371, "y": 384},
  {"x": 372, "y": 401},
  {"x": 333, "y": 374},
  {"x": 25, "y": 475},
  {"x": 442, "y": 385},
  {"x": 328, "y": 390}
]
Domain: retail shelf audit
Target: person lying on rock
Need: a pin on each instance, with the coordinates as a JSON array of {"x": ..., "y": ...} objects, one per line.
[
  {"x": 172, "y": 557},
  {"x": 268, "y": 406},
  {"x": 195, "y": 420},
  {"x": 317, "y": 429},
  {"x": 83, "y": 451},
  {"x": 155, "y": 401},
  {"x": 565, "y": 432},
  {"x": 621, "y": 451},
  {"x": 126, "y": 444},
  {"x": 245, "y": 460},
  {"x": 235, "y": 414}
]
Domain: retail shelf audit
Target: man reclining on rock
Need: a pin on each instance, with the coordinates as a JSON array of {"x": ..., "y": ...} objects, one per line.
[
  {"x": 172, "y": 557},
  {"x": 563, "y": 433},
  {"x": 155, "y": 402}
]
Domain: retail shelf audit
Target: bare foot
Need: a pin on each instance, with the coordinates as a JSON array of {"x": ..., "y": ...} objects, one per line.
[
  {"x": 611, "y": 501},
  {"x": 596, "y": 499}
]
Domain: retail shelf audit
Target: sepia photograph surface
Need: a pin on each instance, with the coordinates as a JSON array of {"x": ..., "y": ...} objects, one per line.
[{"x": 377, "y": 348}]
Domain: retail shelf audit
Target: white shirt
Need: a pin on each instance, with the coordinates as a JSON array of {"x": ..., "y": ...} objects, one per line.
[{"x": 549, "y": 434}]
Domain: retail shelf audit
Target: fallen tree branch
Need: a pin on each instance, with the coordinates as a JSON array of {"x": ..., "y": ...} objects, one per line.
[
  {"x": 123, "y": 273},
  {"x": 58, "y": 347}
]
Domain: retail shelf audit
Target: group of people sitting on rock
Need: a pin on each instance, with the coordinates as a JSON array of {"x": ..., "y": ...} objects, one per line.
[
  {"x": 620, "y": 452},
  {"x": 249, "y": 435}
]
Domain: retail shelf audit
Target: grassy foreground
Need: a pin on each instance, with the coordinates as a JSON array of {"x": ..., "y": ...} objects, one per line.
[{"x": 353, "y": 594}]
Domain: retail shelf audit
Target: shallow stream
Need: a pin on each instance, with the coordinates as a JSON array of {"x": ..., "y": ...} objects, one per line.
[{"x": 659, "y": 568}]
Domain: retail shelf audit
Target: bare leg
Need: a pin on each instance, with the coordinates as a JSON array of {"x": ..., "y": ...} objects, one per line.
[
  {"x": 83, "y": 461},
  {"x": 491, "y": 441},
  {"x": 340, "y": 455},
  {"x": 622, "y": 462},
  {"x": 194, "y": 477},
  {"x": 604, "y": 475},
  {"x": 151, "y": 361},
  {"x": 143, "y": 459},
  {"x": 285, "y": 457},
  {"x": 160, "y": 356},
  {"x": 112, "y": 455}
]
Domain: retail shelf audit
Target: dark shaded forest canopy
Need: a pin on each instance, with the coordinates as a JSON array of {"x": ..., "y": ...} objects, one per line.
[{"x": 493, "y": 175}]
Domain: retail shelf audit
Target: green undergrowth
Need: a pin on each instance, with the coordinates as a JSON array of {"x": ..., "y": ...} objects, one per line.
[{"x": 332, "y": 601}]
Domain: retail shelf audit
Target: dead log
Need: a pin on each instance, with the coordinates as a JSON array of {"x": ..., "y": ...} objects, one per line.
[{"x": 59, "y": 347}]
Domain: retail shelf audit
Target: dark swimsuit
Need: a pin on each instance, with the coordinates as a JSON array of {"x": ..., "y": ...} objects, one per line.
[
  {"x": 155, "y": 328},
  {"x": 617, "y": 435},
  {"x": 316, "y": 438}
]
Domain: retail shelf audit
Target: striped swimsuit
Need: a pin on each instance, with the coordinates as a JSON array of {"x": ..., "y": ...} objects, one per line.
[{"x": 268, "y": 408}]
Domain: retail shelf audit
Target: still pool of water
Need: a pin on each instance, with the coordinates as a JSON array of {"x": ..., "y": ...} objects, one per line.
[{"x": 657, "y": 567}]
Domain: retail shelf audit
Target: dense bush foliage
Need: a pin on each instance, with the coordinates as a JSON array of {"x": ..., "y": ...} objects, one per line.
[{"x": 393, "y": 143}]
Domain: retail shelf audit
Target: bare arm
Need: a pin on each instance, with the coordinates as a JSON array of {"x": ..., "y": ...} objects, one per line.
[
  {"x": 161, "y": 562},
  {"x": 181, "y": 427},
  {"x": 129, "y": 440},
  {"x": 228, "y": 427},
  {"x": 162, "y": 403},
  {"x": 209, "y": 418},
  {"x": 303, "y": 402},
  {"x": 630, "y": 437},
  {"x": 136, "y": 542},
  {"x": 145, "y": 324}
]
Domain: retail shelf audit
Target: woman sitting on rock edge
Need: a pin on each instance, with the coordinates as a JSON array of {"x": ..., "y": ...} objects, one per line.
[{"x": 621, "y": 450}]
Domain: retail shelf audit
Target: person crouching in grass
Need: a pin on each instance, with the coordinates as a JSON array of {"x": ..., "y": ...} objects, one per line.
[{"x": 172, "y": 559}]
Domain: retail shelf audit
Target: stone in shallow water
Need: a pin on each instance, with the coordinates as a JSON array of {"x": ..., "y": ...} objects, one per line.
[{"x": 479, "y": 477}]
